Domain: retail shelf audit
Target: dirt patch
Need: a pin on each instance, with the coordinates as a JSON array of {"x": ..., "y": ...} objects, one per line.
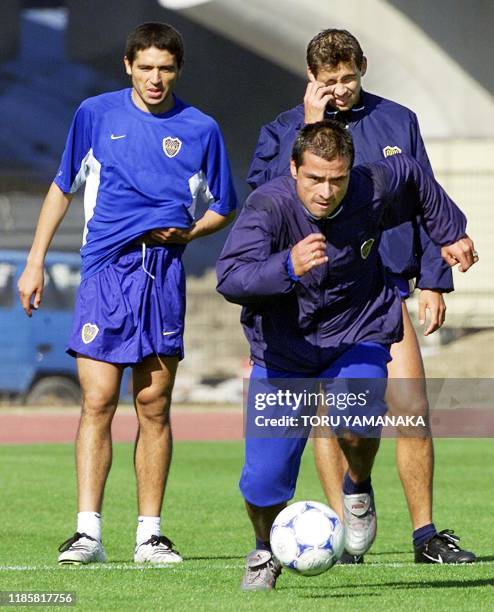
[{"x": 468, "y": 357}]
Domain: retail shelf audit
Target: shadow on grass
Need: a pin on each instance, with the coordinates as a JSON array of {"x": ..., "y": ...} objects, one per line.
[
  {"x": 487, "y": 558},
  {"x": 337, "y": 591},
  {"x": 388, "y": 552},
  {"x": 127, "y": 561},
  {"x": 341, "y": 595},
  {"x": 437, "y": 584},
  {"x": 212, "y": 557}
]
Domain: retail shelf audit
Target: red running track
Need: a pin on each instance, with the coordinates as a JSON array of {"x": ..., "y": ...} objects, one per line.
[
  {"x": 28, "y": 427},
  {"x": 32, "y": 426}
]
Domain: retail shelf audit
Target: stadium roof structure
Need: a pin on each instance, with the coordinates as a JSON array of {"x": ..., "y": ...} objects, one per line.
[
  {"x": 406, "y": 62},
  {"x": 39, "y": 90}
]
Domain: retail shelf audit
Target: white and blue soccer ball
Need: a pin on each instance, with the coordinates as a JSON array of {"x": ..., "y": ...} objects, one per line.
[{"x": 307, "y": 537}]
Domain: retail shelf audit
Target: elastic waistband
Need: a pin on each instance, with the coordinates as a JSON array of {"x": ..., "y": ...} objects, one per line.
[{"x": 148, "y": 241}]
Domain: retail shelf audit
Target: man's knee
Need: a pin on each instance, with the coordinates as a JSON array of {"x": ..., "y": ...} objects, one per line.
[
  {"x": 153, "y": 407},
  {"x": 98, "y": 403},
  {"x": 351, "y": 440},
  {"x": 358, "y": 445},
  {"x": 407, "y": 398}
]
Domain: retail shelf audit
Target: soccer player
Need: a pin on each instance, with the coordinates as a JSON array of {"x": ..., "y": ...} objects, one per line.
[
  {"x": 302, "y": 260},
  {"x": 380, "y": 128},
  {"x": 148, "y": 160}
]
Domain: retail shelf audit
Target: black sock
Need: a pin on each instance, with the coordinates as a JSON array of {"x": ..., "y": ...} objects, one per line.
[
  {"x": 353, "y": 488},
  {"x": 423, "y": 534},
  {"x": 260, "y": 545}
]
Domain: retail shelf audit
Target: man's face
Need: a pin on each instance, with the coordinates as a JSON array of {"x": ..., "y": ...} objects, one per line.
[
  {"x": 344, "y": 82},
  {"x": 154, "y": 73},
  {"x": 321, "y": 184}
]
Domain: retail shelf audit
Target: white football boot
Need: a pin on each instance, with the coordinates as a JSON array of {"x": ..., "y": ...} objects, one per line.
[
  {"x": 81, "y": 549},
  {"x": 158, "y": 549},
  {"x": 360, "y": 520}
]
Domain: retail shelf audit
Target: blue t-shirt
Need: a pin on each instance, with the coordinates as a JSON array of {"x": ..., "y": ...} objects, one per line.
[{"x": 142, "y": 171}]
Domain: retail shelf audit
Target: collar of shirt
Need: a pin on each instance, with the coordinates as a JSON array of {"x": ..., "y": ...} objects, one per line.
[{"x": 348, "y": 116}]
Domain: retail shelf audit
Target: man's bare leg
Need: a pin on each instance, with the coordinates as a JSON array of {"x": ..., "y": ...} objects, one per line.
[
  {"x": 331, "y": 466},
  {"x": 100, "y": 383},
  {"x": 153, "y": 384},
  {"x": 414, "y": 456},
  {"x": 261, "y": 567},
  {"x": 262, "y": 519},
  {"x": 360, "y": 454}
]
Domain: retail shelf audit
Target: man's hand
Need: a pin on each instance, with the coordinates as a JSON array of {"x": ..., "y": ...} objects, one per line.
[
  {"x": 30, "y": 287},
  {"x": 432, "y": 301},
  {"x": 209, "y": 223},
  {"x": 315, "y": 100},
  {"x": 172, "y": 235},
  {"x": 460, "y": 252},
  {"x": 308, "y": 254}
]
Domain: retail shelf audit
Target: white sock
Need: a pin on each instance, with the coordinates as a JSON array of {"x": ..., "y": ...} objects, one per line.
[
  {"x": 147, "y": 526},
  {"x": 89, "y": 523}
]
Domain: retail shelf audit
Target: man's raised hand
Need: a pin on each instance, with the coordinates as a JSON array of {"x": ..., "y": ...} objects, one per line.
[
  {"x": 461, "y": 252},
  {"x": 316, "y": 97},
  {"x": 308, "y": 254}
]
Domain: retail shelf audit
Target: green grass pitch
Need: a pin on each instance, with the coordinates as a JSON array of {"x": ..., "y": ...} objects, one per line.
[{"x": 204, "y": 516}]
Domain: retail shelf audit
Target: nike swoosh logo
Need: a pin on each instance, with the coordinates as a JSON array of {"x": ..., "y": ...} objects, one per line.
[
  {"x": 165, "y": 333},
  {"x": 438, "y": 560},
  {"x": 113, "y": 137}
]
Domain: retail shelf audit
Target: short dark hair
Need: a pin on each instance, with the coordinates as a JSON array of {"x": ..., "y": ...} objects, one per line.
[
  {"x": 159, "y": 35},
  {"x": 332, "y": 47},
  {"x": 327, "y": 139}
]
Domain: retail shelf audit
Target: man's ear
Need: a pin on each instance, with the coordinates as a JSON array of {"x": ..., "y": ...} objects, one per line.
[
  {"x": 363, "y": 70},
  {"x": 293, "y": 169},
  {"x": 128, "y": 67},
  {"x": 310, "y": 75}
]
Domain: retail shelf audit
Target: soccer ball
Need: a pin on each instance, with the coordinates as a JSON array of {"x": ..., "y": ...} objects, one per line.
[{"x": 307, "y": 537}]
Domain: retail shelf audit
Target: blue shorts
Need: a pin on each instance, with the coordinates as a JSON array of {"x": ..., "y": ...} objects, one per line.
[
  {"x": 123, "y": 314},
  {"x": 271, "y": 466}
]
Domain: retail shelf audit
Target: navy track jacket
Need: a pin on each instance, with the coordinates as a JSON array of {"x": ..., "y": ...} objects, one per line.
[
  {"x": 379, "y": 128},
  {"x": 302, "y": 326}
]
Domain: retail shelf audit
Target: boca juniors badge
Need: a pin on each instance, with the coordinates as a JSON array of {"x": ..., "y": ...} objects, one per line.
[
  {"x": 388, "y": 151},
  {"x": 365, "y": 249},
  {"x": 171, "y": 146},
  {"x": 89, "y": 332}
]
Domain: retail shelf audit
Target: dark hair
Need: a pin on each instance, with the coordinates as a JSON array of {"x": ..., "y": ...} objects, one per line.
[
  {"x": 332, "y": 47},
  {"x": 327, "y": 139},
  {"x": 159, "y": 35}
]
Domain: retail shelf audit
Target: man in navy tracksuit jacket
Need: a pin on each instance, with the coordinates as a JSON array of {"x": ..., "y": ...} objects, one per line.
[
  {"x": 380, "y": 129},
  {"x": 406, "y": 250},
  {"x": 303, "y": 261}
]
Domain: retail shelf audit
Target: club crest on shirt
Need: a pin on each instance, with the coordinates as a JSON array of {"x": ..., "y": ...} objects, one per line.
[
  {"x": 171, "y": 146},
  {"x": 389, "y": 150},
  {"x": 366, "y": 247},
  {"x": 89, "y": 332}
]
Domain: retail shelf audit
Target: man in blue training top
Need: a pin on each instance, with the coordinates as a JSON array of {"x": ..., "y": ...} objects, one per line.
[
  {"x": 303, "y": 261},
  {"x": 379, "y": 128},
  {"x": 148, "y": 160}
]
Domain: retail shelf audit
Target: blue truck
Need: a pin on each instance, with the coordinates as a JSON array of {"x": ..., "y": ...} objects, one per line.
[{"x": 34, "y": 367}]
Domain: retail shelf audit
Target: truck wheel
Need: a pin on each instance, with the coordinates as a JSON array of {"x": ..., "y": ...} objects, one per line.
[{"x": 54, "y": 391}]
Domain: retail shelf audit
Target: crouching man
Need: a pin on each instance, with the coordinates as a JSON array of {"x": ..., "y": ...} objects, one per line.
[{"x": 302, "y": 260}]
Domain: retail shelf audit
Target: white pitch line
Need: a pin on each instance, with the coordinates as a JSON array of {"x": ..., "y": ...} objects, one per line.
[
  {"x": 104, "y": 567},
  {"x": 187, "y": 568}
]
